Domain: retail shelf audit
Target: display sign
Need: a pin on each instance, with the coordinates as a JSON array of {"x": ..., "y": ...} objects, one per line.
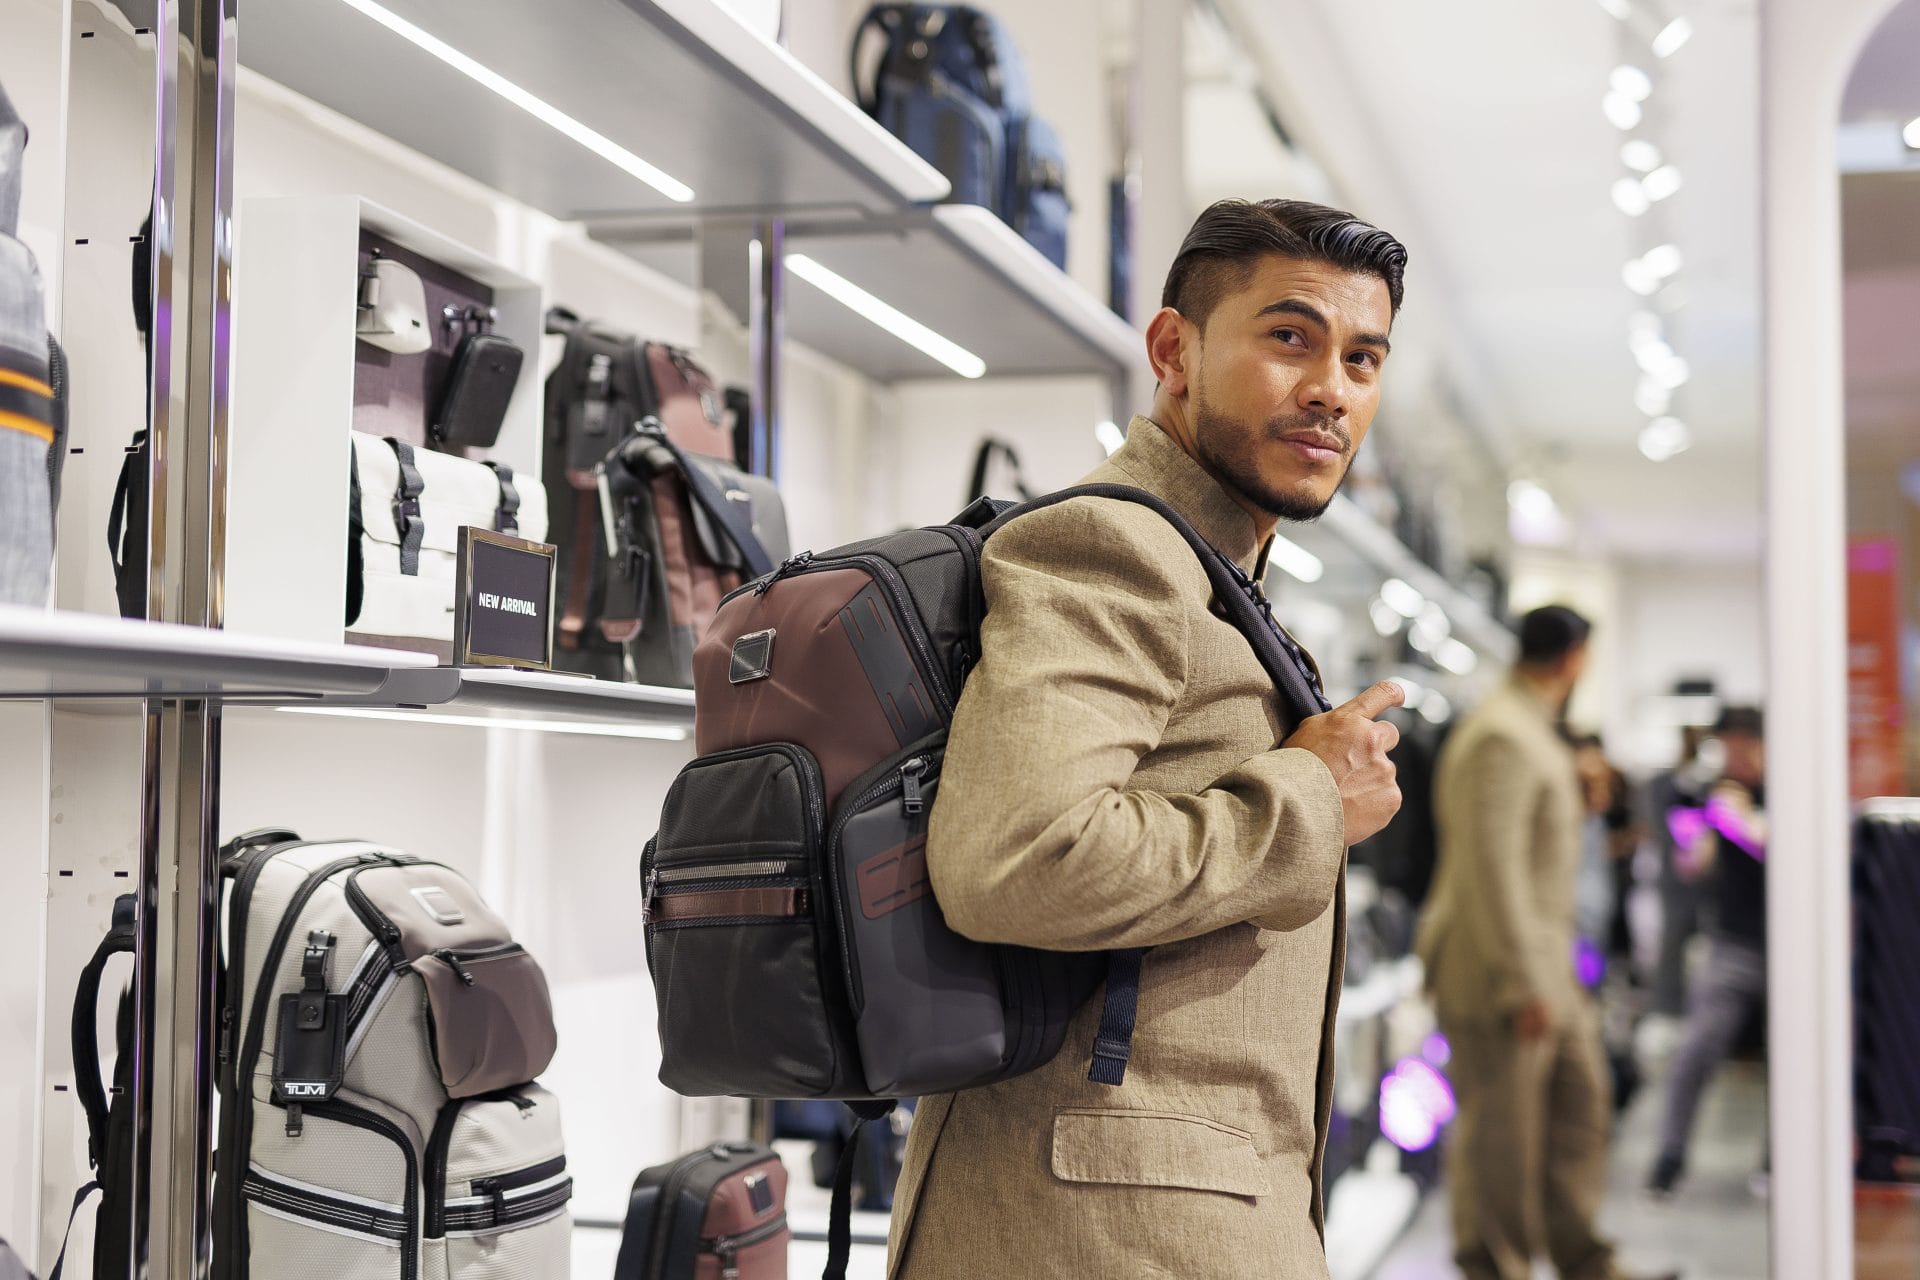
[
  {"x": 503, "y": 601},
  {"x": 1875, "y": 712}
]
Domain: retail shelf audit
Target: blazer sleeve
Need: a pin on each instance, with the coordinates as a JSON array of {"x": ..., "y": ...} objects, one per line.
[
  {"x": 1493, "y": 833},
  {"x": 1037, "y": 838}
]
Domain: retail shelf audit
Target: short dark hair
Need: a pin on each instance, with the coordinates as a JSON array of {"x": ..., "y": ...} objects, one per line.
[
  {"x": 1550, "y": 633},
  {"x": 1225, "y": 242},
  {"x": 1750, "y": 721}
]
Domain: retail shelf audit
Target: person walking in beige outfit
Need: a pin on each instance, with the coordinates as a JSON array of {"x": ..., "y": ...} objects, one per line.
[
  {"x": 1121, "y": 774},
  {"x": 1527, "y": 1164}
]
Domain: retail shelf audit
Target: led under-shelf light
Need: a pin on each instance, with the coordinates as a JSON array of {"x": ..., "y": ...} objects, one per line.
[
  {"x": 651, "y": 732},
  {"x": 887, "y": 316},
  {"x": 540, "y": 109}
]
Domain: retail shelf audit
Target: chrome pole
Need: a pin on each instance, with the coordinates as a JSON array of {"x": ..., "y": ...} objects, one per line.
[{"x": 176, "y": 956}]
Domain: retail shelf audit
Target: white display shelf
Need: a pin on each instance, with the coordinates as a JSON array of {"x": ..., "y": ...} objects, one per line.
[
  {"x": 969, "y": 277},
  {"x": 50, "y": 655},
  {"x": 1355, "y": 547},
  {"x": 527, "y": 699},
  {"x": 681, "y": 85},
  {"x": 957, "y": 269}
]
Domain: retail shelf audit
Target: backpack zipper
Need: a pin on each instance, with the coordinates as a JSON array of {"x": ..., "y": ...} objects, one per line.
[{"x": 726, "y": 1248}]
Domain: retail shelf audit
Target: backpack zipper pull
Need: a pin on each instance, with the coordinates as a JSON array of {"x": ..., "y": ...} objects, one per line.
[
  {"x": 452, "y": 962},
  {"x": 649, "y": 895},
  {"x": 296, "y": 1123},
  {"x": 729, "y": 1261},
  {"x": 911, "y": 799}
]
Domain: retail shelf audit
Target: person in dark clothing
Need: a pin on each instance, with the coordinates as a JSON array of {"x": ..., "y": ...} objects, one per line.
[{"x": 1728, "y": 850}]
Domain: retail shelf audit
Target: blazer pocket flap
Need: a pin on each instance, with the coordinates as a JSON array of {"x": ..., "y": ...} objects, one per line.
[{"x": 1156, "y": 1149}]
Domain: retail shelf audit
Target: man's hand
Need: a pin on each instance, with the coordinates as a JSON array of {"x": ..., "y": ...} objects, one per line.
[
  {"x": 1533, "y": 1020},
  {"x": 1354, "y": 747}
]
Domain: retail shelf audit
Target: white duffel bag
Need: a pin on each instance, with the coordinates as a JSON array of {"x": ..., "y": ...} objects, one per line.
[{"x": 412, "y": 503}]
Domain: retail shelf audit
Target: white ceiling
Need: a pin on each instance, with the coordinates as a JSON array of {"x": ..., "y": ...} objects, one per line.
[{"x": 1473, "y": 130}]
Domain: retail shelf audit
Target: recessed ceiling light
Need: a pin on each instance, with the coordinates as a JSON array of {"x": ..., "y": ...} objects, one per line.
[
  {"x": 1619, "y": 10},
  {"x": 1629, "y": 198},
  {"x": 887, "y": 316},
  {"x": 1621, "y": 110},
  {"x": 1672, "y": 36},
  {"x": 1110, "y": 436},
  {"x": 1663, "y": 259},
  {"x": 1403, "y": 597},
  {"x": 1662, "y": 182},
  {"x": 1911, "y": 134},
  {"x": 545, "y": 112},
  {"x": 1296, "y": 560},
  {"x": 1672, "y": 373},
  {"x": 1639, "y": 279},
  {"x": 1639, "y": 155},
  {"x": 1457, "y": 657},
  {"x": 1651, "y": 398},
  {"x": 1631, "y": 82},
  {"x": 1665, "y": 438},
  {"x": 1386, "y": 619}
]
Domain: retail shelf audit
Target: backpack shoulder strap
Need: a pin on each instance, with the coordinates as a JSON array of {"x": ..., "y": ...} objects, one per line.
[
  {"x": 1246, "y": 613},
  {"x": 704, "y": 491},
  {"x": 87, "y": 1084}
]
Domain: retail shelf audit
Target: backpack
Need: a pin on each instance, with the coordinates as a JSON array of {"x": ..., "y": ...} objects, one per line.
[
  {"x": 788, "y": 882},
  {"x": 951, "y": 85},
  {"x": 725, "y": 1203},
  {"x": 379, "y": 1034},
  {"x": 653, "y": 519},
  {"x": 32, "y": 395},
  {"x": 109, "y": 1123}
]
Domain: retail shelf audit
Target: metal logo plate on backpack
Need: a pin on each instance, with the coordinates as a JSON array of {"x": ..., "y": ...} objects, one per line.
[{"x": 752, "y": 657}]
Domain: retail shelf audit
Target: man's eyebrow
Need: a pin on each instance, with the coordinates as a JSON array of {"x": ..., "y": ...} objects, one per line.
[{"x": 1307, "y": 311}]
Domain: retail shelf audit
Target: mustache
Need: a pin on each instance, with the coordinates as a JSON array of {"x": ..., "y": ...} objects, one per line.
[{"x": 1282, "y": 428}]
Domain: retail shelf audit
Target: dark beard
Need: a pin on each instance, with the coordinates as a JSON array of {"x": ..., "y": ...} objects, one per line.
[{"x": 1236, "y": 468}]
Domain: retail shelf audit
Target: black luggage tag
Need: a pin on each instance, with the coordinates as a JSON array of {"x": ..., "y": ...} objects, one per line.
[
  {"x": 309, "y": 1059},
  {"x": 593, "y": 428}
]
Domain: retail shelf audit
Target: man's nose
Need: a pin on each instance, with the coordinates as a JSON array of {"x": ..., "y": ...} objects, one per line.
[{"x": 1324, "y": 389}]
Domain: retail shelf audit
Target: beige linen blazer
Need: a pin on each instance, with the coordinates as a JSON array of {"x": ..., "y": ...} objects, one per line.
[
  {"x": 1113, "y": 780},
  {"x": 1499, "y": 929}
]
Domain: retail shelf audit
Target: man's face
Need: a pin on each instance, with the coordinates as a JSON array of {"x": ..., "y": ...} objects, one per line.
[
  {"x": 1288, "y": 382},
  {"x": 1746, "y": 758}
]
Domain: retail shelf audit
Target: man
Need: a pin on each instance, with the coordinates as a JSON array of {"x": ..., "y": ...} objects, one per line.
[
  {"x": 1121, "y": 774},
  {"x": 1528, "y": 1161},
  {"x": 1731, "y": 849}
]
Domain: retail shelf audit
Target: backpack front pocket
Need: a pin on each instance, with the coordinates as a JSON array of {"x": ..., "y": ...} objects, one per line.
[
  {"x": 491, "y": 1015},
  {"x": 303, "y": 1206},
  {"x": 498, "y": 1187},
  {"x": 928, "y": 1005},
  {"x": 735, "y": 937}
]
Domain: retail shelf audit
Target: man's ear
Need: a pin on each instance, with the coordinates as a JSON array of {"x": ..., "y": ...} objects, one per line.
[{"x": 1172, "y": 344}]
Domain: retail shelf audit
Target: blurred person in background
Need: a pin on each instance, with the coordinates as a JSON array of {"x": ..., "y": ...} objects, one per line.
[
  {"x": 1723, "y": 846},
  {"x": 1528, "y": 1162},
  {"x": 1683, "y": 785}
]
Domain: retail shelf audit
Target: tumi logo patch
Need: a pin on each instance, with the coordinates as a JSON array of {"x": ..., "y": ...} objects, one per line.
[
  {"x": 752, "y": 657},
  {"x": 291, "y": 1089},
  {"x": 892, "y": 880}
]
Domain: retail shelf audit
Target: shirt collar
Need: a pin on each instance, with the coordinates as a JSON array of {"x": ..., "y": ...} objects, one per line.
[{"x": 1156, "y": 463}]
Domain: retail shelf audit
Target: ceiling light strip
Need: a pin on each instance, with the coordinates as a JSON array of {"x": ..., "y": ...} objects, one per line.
[
  {"x": 886, "y": 316},
  {"x": 540, "y": 109}
]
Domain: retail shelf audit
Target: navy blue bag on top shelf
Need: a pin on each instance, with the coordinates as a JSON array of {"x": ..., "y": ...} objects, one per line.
[{"x": 950, "y": 84}]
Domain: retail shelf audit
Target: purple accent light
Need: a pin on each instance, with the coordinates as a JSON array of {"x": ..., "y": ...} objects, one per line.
[
  {"x": 1589, "y": 965},
  {"x": 1416, "y": 1103},
  {"x": 1688, "y": 825},
  {"x": 1436, "y": 1049}
]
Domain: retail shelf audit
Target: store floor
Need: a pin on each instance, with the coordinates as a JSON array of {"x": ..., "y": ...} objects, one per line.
[{"x": 1714, "y": 1227}]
